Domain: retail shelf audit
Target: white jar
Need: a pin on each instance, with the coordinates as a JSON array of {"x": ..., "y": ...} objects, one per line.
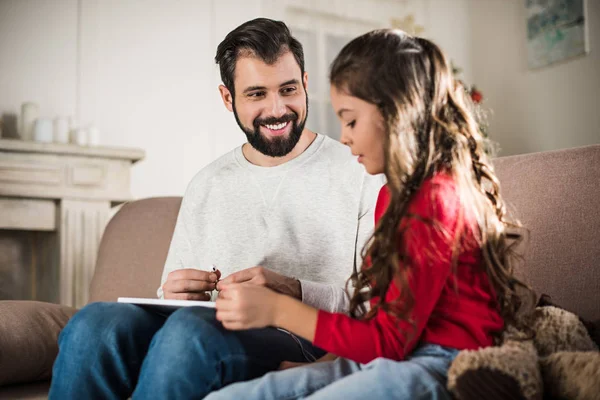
[
  {"x": 61, "y": 130},
  {"x": 42, "y": 130},
  {"x": 79, "y": 137},
  {"x": 29, "y": 113},
  {"x": 93, "y": 136}
]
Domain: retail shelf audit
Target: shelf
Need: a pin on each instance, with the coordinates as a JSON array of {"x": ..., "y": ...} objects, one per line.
[{"x": 22, "y": 146}]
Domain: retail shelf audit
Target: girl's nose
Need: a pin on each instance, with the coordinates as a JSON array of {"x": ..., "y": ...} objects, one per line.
[{"x": 345, "y": 138}]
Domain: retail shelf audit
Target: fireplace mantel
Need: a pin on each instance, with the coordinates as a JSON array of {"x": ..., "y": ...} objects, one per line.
[{"x": 55, "y": 201}]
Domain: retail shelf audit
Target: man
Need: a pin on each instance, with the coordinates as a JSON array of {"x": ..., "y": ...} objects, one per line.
[{"x": 288, "y": 210}]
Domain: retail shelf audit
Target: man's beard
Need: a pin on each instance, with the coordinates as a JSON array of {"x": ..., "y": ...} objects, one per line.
[{"x": 274, "y": 146}]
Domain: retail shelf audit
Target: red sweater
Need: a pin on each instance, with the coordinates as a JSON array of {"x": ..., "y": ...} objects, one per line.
[{"x": 453, "y": 310}]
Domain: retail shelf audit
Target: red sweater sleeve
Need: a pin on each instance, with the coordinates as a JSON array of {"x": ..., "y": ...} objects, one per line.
[{"x": 429, "y": 251}]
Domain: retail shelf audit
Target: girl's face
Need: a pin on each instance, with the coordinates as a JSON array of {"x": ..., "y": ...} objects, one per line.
[{"x": 363, "y": 129}]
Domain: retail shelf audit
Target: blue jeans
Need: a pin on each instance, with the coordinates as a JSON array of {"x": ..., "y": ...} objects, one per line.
[
  {"x": 422, "y": 376},
  {"x": 114, "y": 351}
]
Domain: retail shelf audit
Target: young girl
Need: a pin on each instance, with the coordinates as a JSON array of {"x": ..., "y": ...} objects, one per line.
[{"x": 437, "y": 273}]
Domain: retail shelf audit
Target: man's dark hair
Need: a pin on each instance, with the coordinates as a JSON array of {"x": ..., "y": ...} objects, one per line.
[{"x": 261, "y": 37}]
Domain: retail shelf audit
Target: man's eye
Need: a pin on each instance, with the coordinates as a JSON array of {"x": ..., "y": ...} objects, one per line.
[
  {"x": 288, "y": 90},
  {"x": 256, "y": 94},
  {"x": 351, "y": 124}
]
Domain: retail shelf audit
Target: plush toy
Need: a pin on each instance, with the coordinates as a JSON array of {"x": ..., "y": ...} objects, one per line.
[{"x": 560, "y": 362}]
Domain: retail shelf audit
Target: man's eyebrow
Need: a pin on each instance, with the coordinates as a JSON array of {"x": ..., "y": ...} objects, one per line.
[
  {"x": 290, "y": 82},
  {"x": 253, "y": 88}
]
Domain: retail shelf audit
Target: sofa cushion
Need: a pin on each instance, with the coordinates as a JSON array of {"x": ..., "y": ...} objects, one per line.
[{"x": 28, "y": 339}]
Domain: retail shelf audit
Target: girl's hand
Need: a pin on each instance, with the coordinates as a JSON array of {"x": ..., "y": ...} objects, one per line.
[{"x": 246, "y": 306}]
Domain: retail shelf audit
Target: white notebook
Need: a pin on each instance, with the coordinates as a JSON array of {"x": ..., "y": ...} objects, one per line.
[{"x": 163, "y": 305}]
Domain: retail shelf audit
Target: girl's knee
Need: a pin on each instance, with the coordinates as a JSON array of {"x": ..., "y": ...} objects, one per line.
[
  {"x": 383, "y": 364},
  {"x": 389, "y": 369}
]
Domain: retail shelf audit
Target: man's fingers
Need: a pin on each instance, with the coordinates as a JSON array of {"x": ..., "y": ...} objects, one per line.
[
  {"x": 187, "y": 286},
  {"x": 240, "y": 276},
  {"x": 190, "y": 296},
  {"x": 192, "y": 274}
]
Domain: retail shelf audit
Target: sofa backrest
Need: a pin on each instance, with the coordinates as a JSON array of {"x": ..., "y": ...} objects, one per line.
[
  {"x": 556, "y": 195},
  {"x": 134, "y": 249}
]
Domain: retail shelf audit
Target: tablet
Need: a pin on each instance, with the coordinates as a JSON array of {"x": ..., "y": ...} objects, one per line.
[{"x": 164, "y": 305}]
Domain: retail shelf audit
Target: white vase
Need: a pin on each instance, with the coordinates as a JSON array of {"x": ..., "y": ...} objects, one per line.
[
  {"x": 42, "y": 130},
  {"x": 29, "y": 113},
  {"x": 61, "y": 130},
  {"x": 79, "y": 137},
  {"x": 93, "y": 138}
]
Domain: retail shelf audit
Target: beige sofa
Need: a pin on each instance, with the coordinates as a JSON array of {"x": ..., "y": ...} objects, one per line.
[{"x": 555, "y": 194}]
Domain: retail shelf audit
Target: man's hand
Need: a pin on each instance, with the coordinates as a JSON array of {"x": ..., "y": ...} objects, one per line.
[
  {"x": 246, "y": 306},
  {"x": 190, "y": 284},
  {"x": 261, "y": 276}
]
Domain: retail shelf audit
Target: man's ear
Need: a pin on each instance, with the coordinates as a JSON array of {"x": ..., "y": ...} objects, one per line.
[
  {"x": 227, "y": 97},
  {"x": 305, "y": 81}
]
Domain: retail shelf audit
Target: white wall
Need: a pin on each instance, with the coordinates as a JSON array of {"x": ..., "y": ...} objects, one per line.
[
  {"x": 448, "y": 24},
  {"x": 38, "y": 53},
  {"x": 533, "y": 110},
  {"x": 149, "y": 75}
]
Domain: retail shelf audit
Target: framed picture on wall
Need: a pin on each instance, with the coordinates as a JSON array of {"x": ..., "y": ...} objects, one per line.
[{"x": 556, "y": 31}]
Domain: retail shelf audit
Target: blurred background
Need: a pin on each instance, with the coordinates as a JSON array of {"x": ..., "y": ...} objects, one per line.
[{"x": 142, "y": 71}]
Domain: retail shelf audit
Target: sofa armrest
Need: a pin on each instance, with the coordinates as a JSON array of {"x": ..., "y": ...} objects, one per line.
[{"x": 28, "y": 339}]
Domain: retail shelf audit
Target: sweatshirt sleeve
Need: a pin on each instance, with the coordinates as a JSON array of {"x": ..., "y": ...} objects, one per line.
[
  {"x": 324, "y": 296},
  {"x": 180, "y": 251},
  {"x": 385, "y": 335},
  {"x": 335, "y": 298}
]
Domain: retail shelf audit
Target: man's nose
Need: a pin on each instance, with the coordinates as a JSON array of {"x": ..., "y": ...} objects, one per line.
[{"x": 278, "y": 108}]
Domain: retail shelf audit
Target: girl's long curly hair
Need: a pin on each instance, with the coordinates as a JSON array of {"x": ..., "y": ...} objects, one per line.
[{"x": 431, "y": 127}]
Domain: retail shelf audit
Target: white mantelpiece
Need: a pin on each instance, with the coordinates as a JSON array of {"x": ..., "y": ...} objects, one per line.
[{"x": 62, "y": 195}]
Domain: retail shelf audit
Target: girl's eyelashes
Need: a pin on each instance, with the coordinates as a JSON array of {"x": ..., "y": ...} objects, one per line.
[{"x": 351, "y": 124}]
